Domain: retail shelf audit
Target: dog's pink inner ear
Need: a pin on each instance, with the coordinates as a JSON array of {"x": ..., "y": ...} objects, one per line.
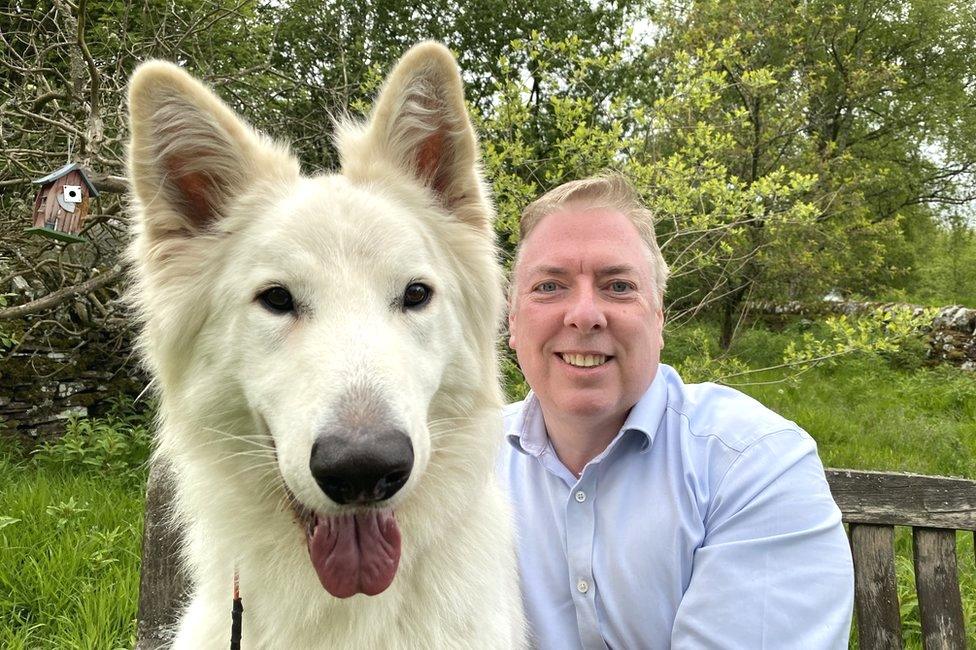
[
  {"x": 197, "y": 192},
  {"x": 432, "y": 164}
]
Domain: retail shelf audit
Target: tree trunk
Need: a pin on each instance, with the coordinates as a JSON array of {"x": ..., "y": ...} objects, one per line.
[{"x": 728, "y": 321}]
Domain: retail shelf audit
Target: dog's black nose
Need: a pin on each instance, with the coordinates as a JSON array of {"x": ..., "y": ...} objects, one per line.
[{"x": 371, "y": 469}]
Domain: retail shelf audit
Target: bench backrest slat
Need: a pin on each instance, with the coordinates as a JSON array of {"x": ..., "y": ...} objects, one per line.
[
  {"x": 904, "y": 499},
  {"x": 876, "y": 592},
  {"x": 162, "y": 584},
  {"x": 937, "y": 584},
  {"x": 935, "y": 507}
]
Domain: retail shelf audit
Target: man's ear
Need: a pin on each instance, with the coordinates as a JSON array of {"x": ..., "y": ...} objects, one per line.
[
  {"x": 512, "y": 311},
  {"x": 660, "y": 327},
  {"x": 511, "y": 326},
  {"x": 189, "y": 154},
  {"x": 420, "y": 127}
]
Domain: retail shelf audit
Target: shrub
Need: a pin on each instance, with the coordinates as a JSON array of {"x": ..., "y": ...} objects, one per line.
[{"x": 115, "y": 445}]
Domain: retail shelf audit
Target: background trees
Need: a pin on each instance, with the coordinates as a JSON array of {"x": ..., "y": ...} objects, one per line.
[{"x": 789, "y": 148}]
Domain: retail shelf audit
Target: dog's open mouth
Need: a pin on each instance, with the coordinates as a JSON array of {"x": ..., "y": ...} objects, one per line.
[{"x": 352, "y": 553}]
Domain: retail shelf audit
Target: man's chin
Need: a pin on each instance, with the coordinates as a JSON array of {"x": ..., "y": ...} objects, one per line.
[{"x": 586, "y": 406}]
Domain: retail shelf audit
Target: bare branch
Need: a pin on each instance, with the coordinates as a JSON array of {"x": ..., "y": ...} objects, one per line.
[{"x": 57, "y": 297}]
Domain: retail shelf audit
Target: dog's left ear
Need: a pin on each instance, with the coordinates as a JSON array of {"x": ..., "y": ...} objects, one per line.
[{"x": 420, "y": 125}]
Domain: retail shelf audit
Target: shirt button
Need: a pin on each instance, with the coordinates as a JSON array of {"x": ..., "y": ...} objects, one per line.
[
  {"x": 582, "y": 586},
  {"x": 580, "y": 496}
]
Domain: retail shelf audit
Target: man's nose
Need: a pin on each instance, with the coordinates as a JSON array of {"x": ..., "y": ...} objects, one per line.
[{"x": 585, "y": 312}]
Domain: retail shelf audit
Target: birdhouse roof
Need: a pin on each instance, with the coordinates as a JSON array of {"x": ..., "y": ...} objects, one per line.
[{"x": 70, "y": 167}]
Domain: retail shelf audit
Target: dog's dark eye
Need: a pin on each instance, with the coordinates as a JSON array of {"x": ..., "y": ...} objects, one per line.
[
  {"x": 416, "y": 295},
  {"x": 277, "y": 299}
]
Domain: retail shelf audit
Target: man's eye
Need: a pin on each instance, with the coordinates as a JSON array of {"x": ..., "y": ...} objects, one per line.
[
  {"x": 546, "y": 287},
  {"x": 619, "y": 286}
]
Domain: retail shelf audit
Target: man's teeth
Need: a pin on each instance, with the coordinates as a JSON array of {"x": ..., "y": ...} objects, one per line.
[{"x": 584, "y": 360}]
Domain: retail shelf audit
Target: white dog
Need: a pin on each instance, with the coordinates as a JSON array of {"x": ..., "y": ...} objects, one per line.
[{"x": 325, "y": 354}]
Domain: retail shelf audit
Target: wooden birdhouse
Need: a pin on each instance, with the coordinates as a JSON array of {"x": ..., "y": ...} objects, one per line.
[{"x": 62, "y": 203}]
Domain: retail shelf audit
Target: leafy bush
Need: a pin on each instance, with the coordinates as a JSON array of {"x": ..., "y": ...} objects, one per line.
[
  {"x": 893, "y": 333},
  {"x": 115, "y": 445},
  {"x": 703, "y": 360}
]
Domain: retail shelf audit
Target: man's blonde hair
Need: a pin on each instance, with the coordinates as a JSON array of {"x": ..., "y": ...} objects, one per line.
[{"x": 608, "y": 191}]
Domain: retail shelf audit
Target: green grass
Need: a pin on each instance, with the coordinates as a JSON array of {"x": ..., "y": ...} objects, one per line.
[
  {"x": 867, "y": 413},
  {"x": 69, "y": 558},
  {"x": 69, "y": 564}
]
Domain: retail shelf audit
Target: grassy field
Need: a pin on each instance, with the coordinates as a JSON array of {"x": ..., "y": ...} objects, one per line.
[
  {"x": 70, "y": 518},
  {"x": 70, "y": 530},
  {"x": 69, "y": 573}
]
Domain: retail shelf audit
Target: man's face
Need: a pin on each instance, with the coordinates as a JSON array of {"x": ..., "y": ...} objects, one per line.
[{"x": 583, "y": 321}]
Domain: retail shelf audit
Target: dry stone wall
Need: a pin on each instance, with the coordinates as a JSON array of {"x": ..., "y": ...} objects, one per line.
[{"x": 41, "y": 388}]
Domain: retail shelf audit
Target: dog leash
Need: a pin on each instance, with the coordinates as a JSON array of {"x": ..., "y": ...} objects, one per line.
[{"x": 236, "y": 616}]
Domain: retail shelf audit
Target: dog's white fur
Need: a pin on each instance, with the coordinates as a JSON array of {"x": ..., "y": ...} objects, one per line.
[{"x": 221, "y": 214}]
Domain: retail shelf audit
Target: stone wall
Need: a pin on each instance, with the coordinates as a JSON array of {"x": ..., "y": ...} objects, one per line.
[
  {"x": 953, "y": 337},
  {"x": 40, "y": 388}
]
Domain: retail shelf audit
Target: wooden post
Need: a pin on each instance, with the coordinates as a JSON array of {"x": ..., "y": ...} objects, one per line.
[
  {"x": 163, "y": 585},
  {"x": 876, "y": 591},
  {"x": 937, "y": 584}
]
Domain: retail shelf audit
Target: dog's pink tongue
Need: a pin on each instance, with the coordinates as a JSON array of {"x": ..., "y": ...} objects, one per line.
[{"x": 356, "y": 553}]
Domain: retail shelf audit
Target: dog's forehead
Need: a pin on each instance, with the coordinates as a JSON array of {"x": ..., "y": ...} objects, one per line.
[{"x": 329, "y": 216}]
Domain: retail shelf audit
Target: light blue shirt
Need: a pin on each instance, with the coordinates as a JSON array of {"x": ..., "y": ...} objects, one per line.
[{"x": 706, "y": 523}]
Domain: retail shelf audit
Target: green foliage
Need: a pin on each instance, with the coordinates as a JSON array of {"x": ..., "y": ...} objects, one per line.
[
  {"x": 885, "y": 331},
  {"x": 549, "y": 127},
  {"x": 66, "y": 511},
  {"x": 787, "y": 148},
  {"x": 116, "y": 445},
  {"x": 943, "y": 264},
  {"x": 701, "y": 360},
  {"x": 754, "y": 196},
  {"x": 895, "y": 335},
  {"x": 514, "y": 383}
]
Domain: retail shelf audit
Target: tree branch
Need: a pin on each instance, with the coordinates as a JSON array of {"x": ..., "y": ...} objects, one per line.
[{"x": 57, "y": 297}]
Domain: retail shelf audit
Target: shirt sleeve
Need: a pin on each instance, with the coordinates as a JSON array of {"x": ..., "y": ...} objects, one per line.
[{"x": 774, "y": 569}]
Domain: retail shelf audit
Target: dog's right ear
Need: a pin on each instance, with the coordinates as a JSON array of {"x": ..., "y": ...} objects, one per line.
[{"x": 189, "y": 154}]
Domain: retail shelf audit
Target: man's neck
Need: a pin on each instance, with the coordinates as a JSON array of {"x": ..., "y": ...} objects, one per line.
[{"x": 577, "y": 441}]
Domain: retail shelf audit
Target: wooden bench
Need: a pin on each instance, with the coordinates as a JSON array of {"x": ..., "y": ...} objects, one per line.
[{"x": 872, "y": 503}]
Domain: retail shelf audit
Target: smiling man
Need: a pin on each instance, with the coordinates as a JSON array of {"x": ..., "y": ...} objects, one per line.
[{"x": 651, "y": 513}]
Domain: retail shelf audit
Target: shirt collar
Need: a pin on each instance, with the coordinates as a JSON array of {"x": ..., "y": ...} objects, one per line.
[
  {"x": 529, "y": 434},
  {"x": 646, "y": 416}
]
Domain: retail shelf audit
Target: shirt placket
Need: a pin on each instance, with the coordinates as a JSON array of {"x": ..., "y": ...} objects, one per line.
[{"x": 580, "y": 524}]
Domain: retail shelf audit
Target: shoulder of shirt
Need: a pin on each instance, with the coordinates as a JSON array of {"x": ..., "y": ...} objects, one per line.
[{"x": 733, "y": 418}]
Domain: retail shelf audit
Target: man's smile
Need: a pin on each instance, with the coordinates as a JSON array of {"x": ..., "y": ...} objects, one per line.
[{"x": 584, "y": 359}]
